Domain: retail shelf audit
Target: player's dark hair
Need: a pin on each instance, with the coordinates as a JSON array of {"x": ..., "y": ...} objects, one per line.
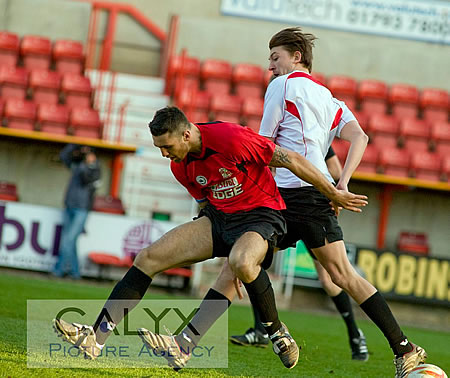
[
  {"x": 168, "y": 120},
  {"x": 294, "y": 39}
]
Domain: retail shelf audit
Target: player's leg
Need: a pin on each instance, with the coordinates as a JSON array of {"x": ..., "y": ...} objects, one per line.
[
  {"x": 245, "y": 260},
  {"x": 214, "y": 304},
  {"x": 342, "y": 302},
  {"x": 185, "y": 244},
  {"x": 254, "y": 336},
  {"x": 178, "y": 349},
  {"x": 333, "y": 258}
]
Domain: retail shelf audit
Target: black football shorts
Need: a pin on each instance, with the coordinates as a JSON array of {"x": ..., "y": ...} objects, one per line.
[
  {"x": 227, "y": 228},
  {"x": 309, "y": 217}
]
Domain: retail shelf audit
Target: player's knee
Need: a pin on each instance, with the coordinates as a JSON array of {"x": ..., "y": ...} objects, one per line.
[
  {"x": 243, "y": 268},
  {"x": 337, "y": 277}
]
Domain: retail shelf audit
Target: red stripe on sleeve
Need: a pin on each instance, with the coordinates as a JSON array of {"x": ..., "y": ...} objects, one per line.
[{"x": 337, "y": 119}]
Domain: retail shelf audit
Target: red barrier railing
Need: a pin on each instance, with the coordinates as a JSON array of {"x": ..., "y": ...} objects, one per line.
[{"x": 113, "y": 10}]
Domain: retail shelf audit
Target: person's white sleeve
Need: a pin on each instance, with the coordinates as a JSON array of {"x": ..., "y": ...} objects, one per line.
[
  {"x": 273, "y": 108},
  {"x": 346, "y": 117}
]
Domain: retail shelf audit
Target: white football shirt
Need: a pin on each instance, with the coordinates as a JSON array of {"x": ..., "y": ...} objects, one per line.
[{"x": 303, "y": 116}]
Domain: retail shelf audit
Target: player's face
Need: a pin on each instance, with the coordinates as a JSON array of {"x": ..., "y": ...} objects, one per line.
[
  {"x": 173, "y": 146},
  {"x": 281, "y": 61}
]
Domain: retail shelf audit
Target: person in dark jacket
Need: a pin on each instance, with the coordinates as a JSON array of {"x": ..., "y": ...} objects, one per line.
[{"x": 85, "y": 168}]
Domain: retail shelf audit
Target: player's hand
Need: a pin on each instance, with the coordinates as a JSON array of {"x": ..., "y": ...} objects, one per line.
[
  {"x": 348, "y": 201},
  {"x": 237, "y": 285}
]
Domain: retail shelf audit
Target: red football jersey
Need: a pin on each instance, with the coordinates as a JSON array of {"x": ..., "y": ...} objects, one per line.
[{"x": 232, "y": 170}]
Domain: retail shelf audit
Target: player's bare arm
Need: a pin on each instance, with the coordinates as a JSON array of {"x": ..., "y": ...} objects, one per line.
[
  {"x": 358, "y": 139},
  {"x": 303, "y": 169}
]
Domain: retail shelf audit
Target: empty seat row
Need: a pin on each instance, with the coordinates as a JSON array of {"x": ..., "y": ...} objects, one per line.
[
  {"x": 38, "y": 52},
  {"x": 384, "y": 130},
  {"x": 249, "y": 80},
  {"x": 401, "y": 100},
  {"x": 413, "y": 134},
  {"x": 105, "y": 204},
  {"x": 398, "y": 162},
  {"x": 45, "y": 86},
  {"x": 216, "y": 76},
  {"x": 50, "y": 118},
  {"x": 202, "y": 106}
]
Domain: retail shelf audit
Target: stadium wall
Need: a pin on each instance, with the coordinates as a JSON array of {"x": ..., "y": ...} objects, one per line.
[{"x": 206, "y": 33}]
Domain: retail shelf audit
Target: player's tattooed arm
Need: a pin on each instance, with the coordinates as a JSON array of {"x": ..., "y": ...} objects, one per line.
[
  {"x": 280, "y": 157},
  {"x": 303, "y": 169}
]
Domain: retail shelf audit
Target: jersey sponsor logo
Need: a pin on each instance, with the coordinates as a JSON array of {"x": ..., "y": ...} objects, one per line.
[
  {"x": 225, "y": 173},
  {"x": 201, "y": 180},
  {"x": 227, "y": 189}
]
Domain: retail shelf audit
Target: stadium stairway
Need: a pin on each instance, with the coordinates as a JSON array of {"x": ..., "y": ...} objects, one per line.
[{"x": 127, "y": 103}]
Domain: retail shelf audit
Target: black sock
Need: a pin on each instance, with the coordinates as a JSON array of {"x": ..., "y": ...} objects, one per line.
[
  {"x": 343, "y": 305},
  {"x": 209, "y": 311},
  {"x": 125, "y": 296},
  {"x": 378, "y": 310},
  {"x": 261, "y": 293},
  {"x": 258, "y": 324}
]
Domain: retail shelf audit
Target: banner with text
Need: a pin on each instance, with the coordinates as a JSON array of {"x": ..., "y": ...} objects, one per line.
[
  {"x": 419, "y": 279},
  {"x": 30, "y": 236},
  {"x": 427, "y": 21}
]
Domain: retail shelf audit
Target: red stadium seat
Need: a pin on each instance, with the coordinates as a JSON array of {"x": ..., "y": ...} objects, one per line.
[
  {"x": 414, "y": 134},
  {"x": 45, "y": 86},
  {"x": 404, "y": 100},
  {"x": 369, "y": 160},
  {"x": 2, "y": 105},
  {"x": 184, "y": 73},
  {"x": 13, "y": 82},
  {"x": 195, "y": 104},
  {"x": 344, "y": 88},
  {"x": 20, "y": 114},
  {"x": 68, "y": 56},
  {"x": 85, "y": 122},
  {"x": 435, "y": 104},
  {"x": 9, "y": 48},
  {"x": 446, "y": 169},
  {"x": 373, "y": 96},
  {"x": 105, "y": 259},
  {"x": 340, "y": 148},
  {"x": 252, "y": 111},
  {"x": 362, "y": 118},
  {"x": 77, "y": 90},
  {"x": 383, "y": 130},
  {"x": 440, "y": 136},
  {"x": 108, "y": 204},
  {"x": 319, "y": 77},
  {"x": 53, "y": 118},
  {"x": 226, "y": 108},
  {"x": 426, "y": 165},
  {"x": 413, "y": 242},
  {"x": 36, "y": 52},
  {"x": 216, "y": 76},
  {"x": 8, "y": 191},
  {"x": 394, "y": 161},
  {"x": 248, "y": 80}
]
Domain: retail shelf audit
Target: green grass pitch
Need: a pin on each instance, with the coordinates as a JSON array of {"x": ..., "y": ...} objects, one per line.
[{"x": 323, "y": 339}]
